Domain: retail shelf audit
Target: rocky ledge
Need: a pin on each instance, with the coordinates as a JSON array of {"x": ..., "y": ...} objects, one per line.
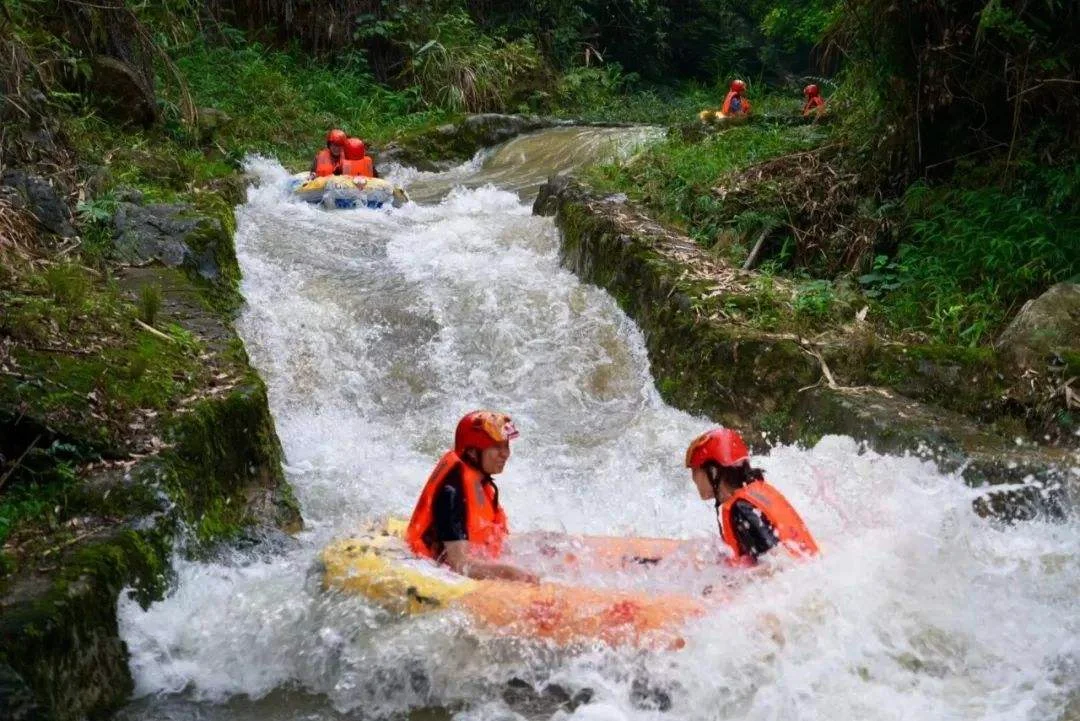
[
  {"x": 796, "y": 384},
  {"x": 439, "y": 148},
  {"x": 133, "y": 399}
]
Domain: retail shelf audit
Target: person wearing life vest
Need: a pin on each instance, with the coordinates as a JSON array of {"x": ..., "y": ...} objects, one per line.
[
  {"x": 814, "y": 102},
  {"x": 458, "y": 520},
  {"x": 735, "y": 103},
  {"x": 754, "y": 517},
  {"x": 356, "y": 160},
  {"x": 328, "y": 160}
]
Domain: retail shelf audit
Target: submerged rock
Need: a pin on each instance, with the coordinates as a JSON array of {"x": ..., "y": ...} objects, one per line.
[{"x": 1045, "y": 326}]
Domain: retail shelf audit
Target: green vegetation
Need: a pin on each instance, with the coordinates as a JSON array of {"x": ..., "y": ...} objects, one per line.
[
  {"x": 684, "y": 182},
  {"x": 943, "y": 193},
  {"x": 973, "y": 257}
]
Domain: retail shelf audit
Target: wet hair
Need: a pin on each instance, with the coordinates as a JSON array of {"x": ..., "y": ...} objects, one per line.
[
  {"x": 472, "y": 456},
  {"x": 734, "y": 476}
]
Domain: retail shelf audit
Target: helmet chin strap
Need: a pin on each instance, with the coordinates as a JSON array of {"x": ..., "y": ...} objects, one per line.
[{"x": 713, "y": 473}]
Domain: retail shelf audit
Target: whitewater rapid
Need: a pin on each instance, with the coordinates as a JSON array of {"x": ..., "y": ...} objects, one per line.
[{"x": 376, "y": 330}]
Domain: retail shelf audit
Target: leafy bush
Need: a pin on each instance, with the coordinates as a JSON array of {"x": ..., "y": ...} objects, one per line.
[
  {"x": 973, "y": 256},
  {"x": 283, "y": 101},
  {"x": 461, "y": 69}
]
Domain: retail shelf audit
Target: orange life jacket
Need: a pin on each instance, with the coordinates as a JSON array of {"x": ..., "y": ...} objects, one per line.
[
  {"x": 485, "y": 524},
  {"x": 325, "y": 163},
  {"x": 770, "y": 503},
  {"x": 744, "y": 104},
  {"x": 363, "y": 166},
  {"x": 812, "y": 103}
]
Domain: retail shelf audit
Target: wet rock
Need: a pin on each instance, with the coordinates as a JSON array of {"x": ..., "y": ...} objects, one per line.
[
  {"x": 445, "y": 145},
  {"x": 173, "y": 235},
  {"x": 129, "y": 195},
  {"x": 1045, "y": 326},
  {"x": 890, "y": 423},
  {"x": 122, "y": 92},
  {"x": 648, "y": 696},
  {"x": 39, "y": 197},
  {"x": 522, "y": 698},
  {"x": 494, "y": 128},
  {"x": 547, "y": 199}
]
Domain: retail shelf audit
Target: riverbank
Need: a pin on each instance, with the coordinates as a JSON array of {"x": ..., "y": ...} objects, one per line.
[{"x": 799, "y": 377}]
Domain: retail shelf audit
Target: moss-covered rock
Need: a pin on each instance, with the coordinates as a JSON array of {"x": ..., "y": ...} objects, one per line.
[
  {"x": 117, "y": 433},
  {"x": 60, "y": 635},
  {"x": 1046, "y": 326},
  {"x": 176, "y": 236},
  {"x": 438, "y": 148},
  {"x": 709, "y": 357}
]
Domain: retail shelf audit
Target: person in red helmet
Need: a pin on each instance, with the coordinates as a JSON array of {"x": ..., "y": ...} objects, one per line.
[
  {"x": 458, "y": 520},
  {"x": 356, "y": 160},
  {"x": 735, "y": 102},
  {"x": 754, "y": 517},
  {"x": 814, "y": 102},
  {"x": 328, "y": 160}
]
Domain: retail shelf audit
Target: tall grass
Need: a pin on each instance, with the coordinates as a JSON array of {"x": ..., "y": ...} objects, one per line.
[
  {"x": 281, "y": 102},
  {"x": 462, "y": 69},
  {"x": 683, "y": 182},
  {"x": 973, "y": 256}
]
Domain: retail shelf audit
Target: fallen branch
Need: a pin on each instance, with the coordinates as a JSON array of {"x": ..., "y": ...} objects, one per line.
[
  {"x": 756, "y": 249},
  {"x": 18, "y": 462},
  {"x": 151, "y": 329},
  {"x": 824, "y": 367},
  {"x": 72, "y": 541}
]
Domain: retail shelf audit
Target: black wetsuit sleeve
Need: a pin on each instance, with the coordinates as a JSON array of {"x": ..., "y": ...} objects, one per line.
[
  {"x": 753, "y": 532},
  {"x": 449, "y": 510}
]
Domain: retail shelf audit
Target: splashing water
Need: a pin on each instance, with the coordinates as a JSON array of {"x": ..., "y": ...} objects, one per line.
[{"x": 376, "y": 330}]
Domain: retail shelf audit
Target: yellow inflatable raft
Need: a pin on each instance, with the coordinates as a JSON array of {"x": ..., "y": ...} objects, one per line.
[
  {"x": 343, "y": 191},
  {"x": 377, "y": 565}
]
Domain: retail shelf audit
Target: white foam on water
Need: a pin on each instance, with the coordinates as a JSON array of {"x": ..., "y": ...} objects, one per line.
[{"x": 376, "y": 330}]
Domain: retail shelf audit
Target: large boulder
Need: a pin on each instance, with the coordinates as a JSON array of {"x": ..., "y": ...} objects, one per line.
[
  {"x": 171, "y": 234},
  {"x": 38, "y": 196},
  {"x": 122, "y": 92},
  {"x": 1043, "y": 328}
]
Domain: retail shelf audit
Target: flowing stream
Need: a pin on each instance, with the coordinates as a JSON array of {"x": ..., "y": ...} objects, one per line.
[{"x": 376, "y": 330}]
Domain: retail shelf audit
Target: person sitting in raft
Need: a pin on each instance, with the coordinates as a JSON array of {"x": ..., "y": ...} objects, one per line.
[
  {"x": 754, "y": 517},
  {"x": 458, "y": 520},
  {"x": 814, "y": 102},
  {"x": 328, "y": 160},
  {"x": 735, "y": 103},
  {"x": 356, "y": 160}
]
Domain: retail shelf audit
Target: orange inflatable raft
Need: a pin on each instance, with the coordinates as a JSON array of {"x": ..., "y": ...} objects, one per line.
[{"x": 377, "y": 565}]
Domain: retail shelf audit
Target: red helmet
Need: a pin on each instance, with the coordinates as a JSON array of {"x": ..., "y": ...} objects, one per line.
[
  {"x": 354, "y": 149},
  {"x": 483, "y": 429},
  {"x": 810, "y": 91},
  {"x": 336, "y": 137},
  {"x": 722, "y": 446},
  {"x": 738, "y": 86}
]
